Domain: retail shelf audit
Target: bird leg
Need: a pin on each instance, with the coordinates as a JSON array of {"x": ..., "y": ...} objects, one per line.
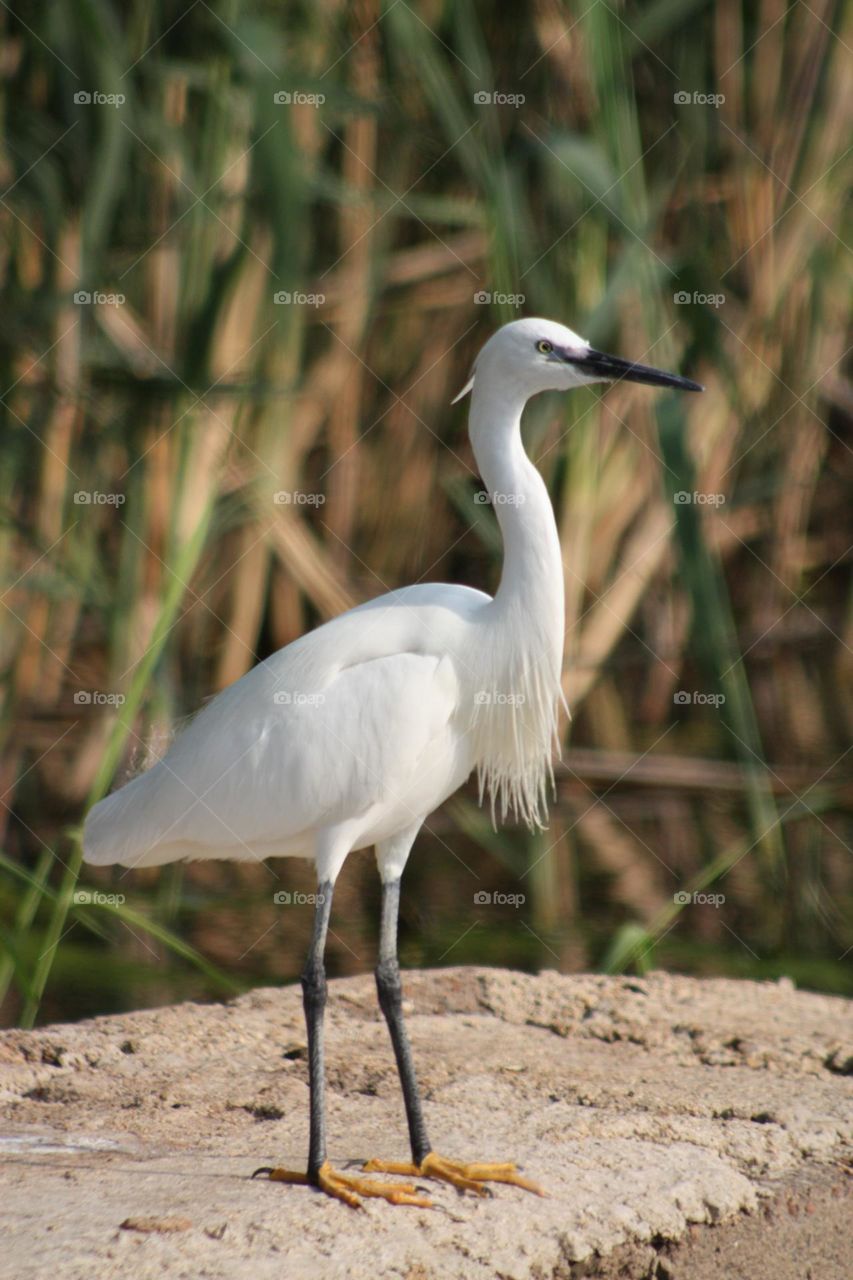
[
  {"x": 425, "y": 1163},
  {"x": 390, "y": 992},
  {"x": 320, "y": 1174}
]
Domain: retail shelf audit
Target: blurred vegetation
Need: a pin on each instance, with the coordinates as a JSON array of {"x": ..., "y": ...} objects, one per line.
[{"x": 148, "y": 163}]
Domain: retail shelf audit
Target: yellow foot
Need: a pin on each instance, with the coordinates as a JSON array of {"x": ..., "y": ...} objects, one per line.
[
  {"x": 467, "y": 1177},
  {"x": 348, "y": 1187}
]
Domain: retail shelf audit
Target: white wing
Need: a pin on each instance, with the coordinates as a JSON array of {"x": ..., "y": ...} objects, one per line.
[{"x": 354, "y": 718}]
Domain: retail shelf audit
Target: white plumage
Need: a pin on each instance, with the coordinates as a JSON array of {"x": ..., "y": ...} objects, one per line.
[
  {"x": 358, "y": 730},
  {"x": 352, "y": 724},
  {"x": 353, "y": 734}
]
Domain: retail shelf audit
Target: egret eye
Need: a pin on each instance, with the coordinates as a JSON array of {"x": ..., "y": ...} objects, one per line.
[{"x": 544, "y": 347}]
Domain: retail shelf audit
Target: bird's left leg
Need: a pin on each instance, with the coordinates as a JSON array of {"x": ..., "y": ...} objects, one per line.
[
  {"x": 320, "y": 1174},
  {"x": 425, "y": 1162}
]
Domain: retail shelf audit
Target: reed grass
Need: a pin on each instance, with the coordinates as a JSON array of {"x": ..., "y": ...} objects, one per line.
[{"x": 396, "y": 201}]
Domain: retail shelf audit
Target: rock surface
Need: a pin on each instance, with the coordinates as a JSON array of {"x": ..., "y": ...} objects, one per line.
[{"x": 684, "y": 1128}]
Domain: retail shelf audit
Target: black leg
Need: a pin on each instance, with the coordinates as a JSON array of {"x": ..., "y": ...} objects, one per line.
[
  {"x": 351, "y": 1189},
  {"x": 314, "y": 1003},
  {"x": 391, "y": 1001}
]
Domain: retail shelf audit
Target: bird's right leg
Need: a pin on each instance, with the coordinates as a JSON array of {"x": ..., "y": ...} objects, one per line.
[
  {"x": 320, "y": 1174},
  {"x": 425, "y": 1163}
]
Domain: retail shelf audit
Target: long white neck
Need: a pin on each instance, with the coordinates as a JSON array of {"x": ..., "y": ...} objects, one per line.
[
  {"x": 531, "y": 586},
  {"x": 520, "y": 636}
]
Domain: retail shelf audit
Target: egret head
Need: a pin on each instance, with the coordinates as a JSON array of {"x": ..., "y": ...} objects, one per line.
[{"x": 540, "y": 355}]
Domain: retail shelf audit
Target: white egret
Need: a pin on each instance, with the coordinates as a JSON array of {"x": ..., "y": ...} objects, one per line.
[{"x": 354, "y": 733}]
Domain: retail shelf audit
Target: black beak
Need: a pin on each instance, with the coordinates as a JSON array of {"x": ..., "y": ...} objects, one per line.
[{"x": 614, "y": 369}]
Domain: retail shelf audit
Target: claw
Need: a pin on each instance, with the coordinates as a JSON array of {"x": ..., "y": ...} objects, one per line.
[
  {"x": 463, "y": 1176},
  {"x": 349, "y": 1187}
]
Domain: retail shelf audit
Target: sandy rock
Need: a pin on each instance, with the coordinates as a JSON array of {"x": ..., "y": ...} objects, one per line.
[{"x": 683, "y": 1128}]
